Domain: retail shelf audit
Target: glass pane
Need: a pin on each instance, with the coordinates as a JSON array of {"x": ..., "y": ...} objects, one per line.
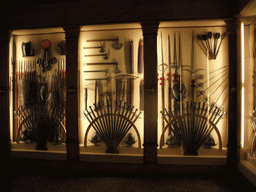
[
  {"x": 111, "y": 89},
  {"x": 192, "y": 89},
  {"x": 248, "y": 129},
  {"x": 38, "y": 90}
]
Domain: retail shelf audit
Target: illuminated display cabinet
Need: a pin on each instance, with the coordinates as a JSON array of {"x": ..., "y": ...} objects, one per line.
[
  {"x": 124, "y": 90},
  {"x": 191, "y": 78}
]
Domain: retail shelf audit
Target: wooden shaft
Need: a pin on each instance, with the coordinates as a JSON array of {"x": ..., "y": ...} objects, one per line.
[{"x": 96, "y": 40}]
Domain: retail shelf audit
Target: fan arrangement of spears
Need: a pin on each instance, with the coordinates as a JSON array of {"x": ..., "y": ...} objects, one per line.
[
  {"x": 193, "y": 124},
  {"x": 112, "y": 122},
  {"x": 40, "y": 105}
]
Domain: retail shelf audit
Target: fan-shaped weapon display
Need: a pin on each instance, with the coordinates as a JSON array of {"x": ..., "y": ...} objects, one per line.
[
  {"x": 193, "y": 124},
  {"x": 112, "y": 122}
]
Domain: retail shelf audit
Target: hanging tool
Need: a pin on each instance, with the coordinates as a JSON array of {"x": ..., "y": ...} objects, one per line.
[
  {"x": 130, "y": 91},
  {"x": 142, "y": 94},
  {"x": 97, "y": 71},
  {"x": 209, "y": 39},
  {"x": 102, "y": 50},
  {"x": 141, "y": 57},
  {"x": 115, "y": 45},
  {"x": 98, "y": 79},
  {"x": 105, "y": 56},
  {"x": 206, "y": 41},
  {"x": 131, "y": 67},
  {"x": 114, "y": 63},
  {"x": 216, "y": 38},
  {"x": 47, "y": 58},
  {"x": 222, "y": 38}
]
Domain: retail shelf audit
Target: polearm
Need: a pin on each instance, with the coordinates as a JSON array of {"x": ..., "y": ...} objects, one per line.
[
  {"x": 162, "y": 82},
  {"x": 169, "y": 73},
  {"x": 14, "y": 76}
]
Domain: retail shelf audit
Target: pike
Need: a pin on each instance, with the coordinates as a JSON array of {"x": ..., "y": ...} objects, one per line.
[
  {"x": 193, "y": 71},
  {"x": 169, "y": 73},
  {"x": 162, "y": 82},
  {"x": 131, "y": 67},
  {"x": 178, "y": 89}
]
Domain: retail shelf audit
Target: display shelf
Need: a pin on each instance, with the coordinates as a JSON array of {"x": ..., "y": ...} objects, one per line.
[
  {"x": 97, "y": 154},
  {"x": 205, "y": 157},
  {"x": 27, "y": 151}
]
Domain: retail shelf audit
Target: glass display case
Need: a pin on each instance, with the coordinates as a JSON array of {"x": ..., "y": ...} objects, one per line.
[
  {"x": 192, "y": 77},
  {"x": 111, "y": 90},
  {"x": 248, "y": 64},
  {"x": 192, "y": 89},
  {"x": 38, "y": 90}
]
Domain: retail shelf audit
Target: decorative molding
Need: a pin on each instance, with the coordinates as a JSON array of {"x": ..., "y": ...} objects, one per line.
[
  {"x": 150, "y": 28},
  {"x": 233, "y": 24},
  {"x": 72, "y": 32}
]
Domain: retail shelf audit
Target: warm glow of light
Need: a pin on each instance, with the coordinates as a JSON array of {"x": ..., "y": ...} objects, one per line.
[{"x": 242, "y": 66}]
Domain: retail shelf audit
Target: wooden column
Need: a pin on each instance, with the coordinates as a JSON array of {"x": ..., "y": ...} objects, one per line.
[
  {"x": 72, "y": 36},
  {"x": 150, "y": 91},
  {"x": 234, "y": 105}
]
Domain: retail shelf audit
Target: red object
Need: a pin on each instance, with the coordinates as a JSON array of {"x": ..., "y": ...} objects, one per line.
[
  {"x": 161, "y": 78},
  {"x": 46, "y": 43},
  {"x": 168, "y": 74},
  {"x": 162, "y": 83},
  {"x": 168, "y": 79}
]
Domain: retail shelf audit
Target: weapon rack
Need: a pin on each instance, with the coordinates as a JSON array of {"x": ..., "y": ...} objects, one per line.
[
  {"x": 107, "y": 88},
  {"x": 210, "y": 82},
  {"x": 32, "y": 100}
]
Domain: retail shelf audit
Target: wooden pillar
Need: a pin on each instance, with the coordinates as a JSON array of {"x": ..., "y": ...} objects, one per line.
[
  {"x": 72, "y": 36},
  {"x": 150, "y": 91},
  {"x": 234, "y": 105}
]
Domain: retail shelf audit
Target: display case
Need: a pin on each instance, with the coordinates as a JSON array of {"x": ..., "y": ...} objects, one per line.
[
  {"x": 38, "y": 91},
  {"x": 111, "y": 91},
  {"x": 248, "y": 64},
  {"x": 192, "y": 91},
  {"x": 191, "y": 74}
]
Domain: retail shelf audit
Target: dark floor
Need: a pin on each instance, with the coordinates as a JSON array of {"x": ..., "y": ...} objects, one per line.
[{"x": 104, "y": 181}]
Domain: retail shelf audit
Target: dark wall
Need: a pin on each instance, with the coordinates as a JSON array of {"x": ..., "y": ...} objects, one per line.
[{"x": 114, "y": 11}]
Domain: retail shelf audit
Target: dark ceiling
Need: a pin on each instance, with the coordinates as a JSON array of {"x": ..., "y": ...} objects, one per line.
[{"x": 47, "y": 13}]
